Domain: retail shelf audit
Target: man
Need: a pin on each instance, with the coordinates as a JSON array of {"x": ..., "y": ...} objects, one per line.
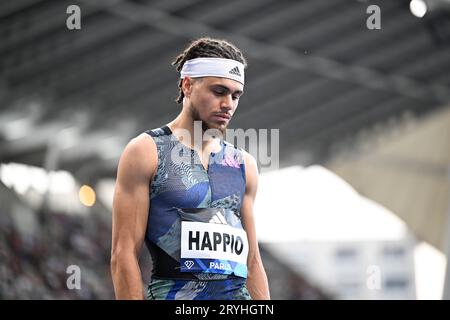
[{"x": 191, "y": 201}]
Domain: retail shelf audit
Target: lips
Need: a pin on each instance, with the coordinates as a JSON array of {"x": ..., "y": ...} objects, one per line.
[{"x": 223, "y": 116}]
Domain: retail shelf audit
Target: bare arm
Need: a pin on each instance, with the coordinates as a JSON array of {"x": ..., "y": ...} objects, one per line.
[
  {"x": 130, "y": 210},
  {"x": 257, "y": 283}
]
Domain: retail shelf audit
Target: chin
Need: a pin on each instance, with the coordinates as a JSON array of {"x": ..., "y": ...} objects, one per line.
[{"x": 217, "y": 126}]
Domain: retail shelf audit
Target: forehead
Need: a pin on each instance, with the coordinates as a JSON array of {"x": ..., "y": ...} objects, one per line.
[{"x": 233, "y": 85}]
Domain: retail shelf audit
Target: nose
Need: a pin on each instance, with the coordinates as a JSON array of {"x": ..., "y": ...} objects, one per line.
[{"x": 227, "y": 102}]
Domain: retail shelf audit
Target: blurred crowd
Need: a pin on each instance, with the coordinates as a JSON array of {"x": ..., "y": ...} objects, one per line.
[
  {"x": 41, "y": 262},
  {"x": 35, "y": 265}
]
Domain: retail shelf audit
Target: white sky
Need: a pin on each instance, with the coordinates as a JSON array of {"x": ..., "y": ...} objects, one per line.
[{"x": 315, "y": 204}]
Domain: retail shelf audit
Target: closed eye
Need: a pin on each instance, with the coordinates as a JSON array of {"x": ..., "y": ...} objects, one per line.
[{"x": 220, "y": 90}]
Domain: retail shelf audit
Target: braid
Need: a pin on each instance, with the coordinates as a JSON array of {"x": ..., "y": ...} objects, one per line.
[{"x": 206, "y": 48}]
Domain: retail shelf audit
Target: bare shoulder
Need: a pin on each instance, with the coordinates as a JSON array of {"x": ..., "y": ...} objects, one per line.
[
  {"x": 139, "y": 157},
  {"x": 249, "y": 160},
  {"x": 144, "y": 142}
]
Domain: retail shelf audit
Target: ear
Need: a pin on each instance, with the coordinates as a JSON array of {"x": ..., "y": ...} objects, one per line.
[{"x": 186, "y": 86}]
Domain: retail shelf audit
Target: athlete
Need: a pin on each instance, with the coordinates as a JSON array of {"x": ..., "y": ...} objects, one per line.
[{"x": 191, "y": 200}]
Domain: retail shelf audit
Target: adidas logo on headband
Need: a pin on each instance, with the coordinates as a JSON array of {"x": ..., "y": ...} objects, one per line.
[{"x": 235, "y": 71}]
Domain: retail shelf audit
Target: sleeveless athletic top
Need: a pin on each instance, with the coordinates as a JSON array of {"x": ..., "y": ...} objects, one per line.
[{"x": 178, "y": 188}]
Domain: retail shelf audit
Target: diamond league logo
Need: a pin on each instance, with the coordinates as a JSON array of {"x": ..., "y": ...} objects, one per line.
[{"x": 189, "y": 264}]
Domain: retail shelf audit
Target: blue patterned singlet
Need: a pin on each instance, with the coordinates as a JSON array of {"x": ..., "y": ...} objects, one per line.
[{"x": 187, "y": 185}]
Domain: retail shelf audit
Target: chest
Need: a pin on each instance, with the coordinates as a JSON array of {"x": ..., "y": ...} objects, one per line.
[{"x": 195, "y": 180}]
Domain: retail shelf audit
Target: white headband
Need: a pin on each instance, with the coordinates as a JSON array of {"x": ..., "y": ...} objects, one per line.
[{"x": 213, "y": 67}]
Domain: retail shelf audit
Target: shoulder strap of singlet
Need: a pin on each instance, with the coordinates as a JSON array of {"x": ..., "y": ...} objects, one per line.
[{"x": 162, "y": 131}]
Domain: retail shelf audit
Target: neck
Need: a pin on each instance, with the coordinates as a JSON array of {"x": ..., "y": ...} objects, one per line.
[{"x": 184, "y": 122}]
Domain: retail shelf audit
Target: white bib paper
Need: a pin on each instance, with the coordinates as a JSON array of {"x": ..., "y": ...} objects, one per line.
[{"x": 215, "y": 248}]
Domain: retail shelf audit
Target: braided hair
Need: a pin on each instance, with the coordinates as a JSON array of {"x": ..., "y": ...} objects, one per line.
[{"x": 206, "y": 48}]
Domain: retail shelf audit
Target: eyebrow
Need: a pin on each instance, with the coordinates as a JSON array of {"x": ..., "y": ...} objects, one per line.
[{"x": 240, "y": 92}]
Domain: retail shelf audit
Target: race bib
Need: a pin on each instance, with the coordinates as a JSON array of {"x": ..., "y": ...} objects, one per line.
[{"x": 213, "y": 248}]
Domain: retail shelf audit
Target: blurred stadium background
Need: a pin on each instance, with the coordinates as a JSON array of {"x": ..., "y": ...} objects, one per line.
[{"x": 364, "y": 123}]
